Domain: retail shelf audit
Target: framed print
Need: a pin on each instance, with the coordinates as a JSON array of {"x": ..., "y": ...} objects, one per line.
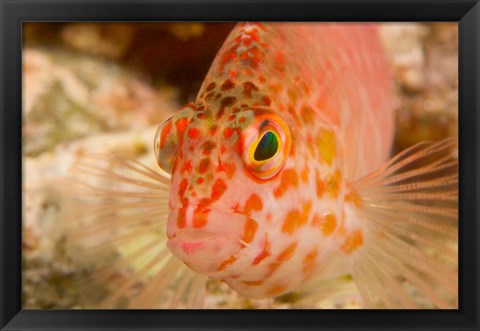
[{"x": 242, "y": 165}]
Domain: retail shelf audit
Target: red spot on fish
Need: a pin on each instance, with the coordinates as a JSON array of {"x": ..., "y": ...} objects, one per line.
[
  {"x": 182, "y": 188},
  {"x": 223, "y": 149},
  {"x": 232, "y": 74},
  {"x": 193, "y": 133},
  {"x": 219, "y": 187},
  {"x": 181, "y": 125},
  {"x": 228, "y": 132},
  {"x": 164, "y": 134},
  {"x": 200, "y": 216},
  {"x": 181, "y": 219},
  {"x": 187, "y": 166}
]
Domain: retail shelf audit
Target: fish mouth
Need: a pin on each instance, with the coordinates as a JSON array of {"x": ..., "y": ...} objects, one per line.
[
  {"x": 204, "y": 251},
  {"x": 206, "y": 248}
]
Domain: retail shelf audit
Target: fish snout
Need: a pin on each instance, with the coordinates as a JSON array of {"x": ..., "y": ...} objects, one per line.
[{"x": 205, "y": 238}]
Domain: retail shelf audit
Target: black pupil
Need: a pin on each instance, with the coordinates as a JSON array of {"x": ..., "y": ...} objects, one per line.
[{"x": 267, "y": 147}]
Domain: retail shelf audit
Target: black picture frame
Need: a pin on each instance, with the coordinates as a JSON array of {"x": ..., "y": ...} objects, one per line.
[{"x": 14, "y": 12}]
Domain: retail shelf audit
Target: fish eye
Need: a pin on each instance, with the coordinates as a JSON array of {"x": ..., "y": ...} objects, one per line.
[{"x": 266, "y": 144}]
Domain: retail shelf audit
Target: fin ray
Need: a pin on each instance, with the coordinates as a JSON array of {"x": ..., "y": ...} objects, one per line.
[{"x": 409, "y": 211}]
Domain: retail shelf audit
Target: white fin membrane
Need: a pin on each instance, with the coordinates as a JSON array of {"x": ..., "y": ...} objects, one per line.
[
  {"x": 409, "y": 258},
  {"x": 115, "y": 219}
]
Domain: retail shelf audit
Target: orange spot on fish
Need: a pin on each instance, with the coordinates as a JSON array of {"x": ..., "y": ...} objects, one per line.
[
  {"x": 321, "y": 186},
  {"x": 326, "y": 145},
  {"x": 285, "y": 255},
  {"x": 304, "y": 174},
  {"x": 333, "y": 183},
  {"x": 307, "y": 114},
  {"x": 254, "y": 203},
  {"x": 296, "y": 218},
  {"x": 263, "y": 254},
  {"x": 352, "y": 242},
  {"x": 251, "y": 228},
  {"x": 354, "y": 198},
  {"x": 328, "y": 223},
  {"x": 309, "y": 260},
  {"x": 288, "y": 180},
  {"x": 226, "y": 263},
  {"x": 218, "y": 189},
  {"x": 230, "y": 169},
  {"x": 200, "y": 216}
]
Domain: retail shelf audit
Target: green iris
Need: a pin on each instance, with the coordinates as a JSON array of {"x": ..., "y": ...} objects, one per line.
[{"x": 267, "y": 147}]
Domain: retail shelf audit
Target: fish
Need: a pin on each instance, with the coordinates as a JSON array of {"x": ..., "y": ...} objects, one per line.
[{"x": 278, "y": 178}]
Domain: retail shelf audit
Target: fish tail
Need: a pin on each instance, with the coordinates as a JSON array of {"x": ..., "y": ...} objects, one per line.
[
  {"x": 409, "y": 213},
  {"x": 114, "y": 221}
]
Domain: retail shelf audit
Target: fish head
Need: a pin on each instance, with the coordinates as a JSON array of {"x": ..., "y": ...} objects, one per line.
[{"x": 230, "y": 215}]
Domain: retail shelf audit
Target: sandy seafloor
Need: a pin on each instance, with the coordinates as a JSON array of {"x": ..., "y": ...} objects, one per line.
[{"x": 106, "y": 87}]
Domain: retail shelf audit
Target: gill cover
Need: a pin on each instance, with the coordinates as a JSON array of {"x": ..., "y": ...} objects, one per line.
[{"x": 169, "y": 137}]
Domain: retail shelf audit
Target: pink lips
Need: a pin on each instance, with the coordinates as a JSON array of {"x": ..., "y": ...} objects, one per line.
[{"x": 201, "y": 250}]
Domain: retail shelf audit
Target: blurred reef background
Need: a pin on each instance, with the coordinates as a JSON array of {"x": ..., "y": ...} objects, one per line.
[{"x": 105, "y": 87}]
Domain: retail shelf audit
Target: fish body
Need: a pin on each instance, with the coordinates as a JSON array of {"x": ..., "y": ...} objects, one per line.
[
  {"x": 278, "y": 177},
  {"x": 321, "y": 95}
]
